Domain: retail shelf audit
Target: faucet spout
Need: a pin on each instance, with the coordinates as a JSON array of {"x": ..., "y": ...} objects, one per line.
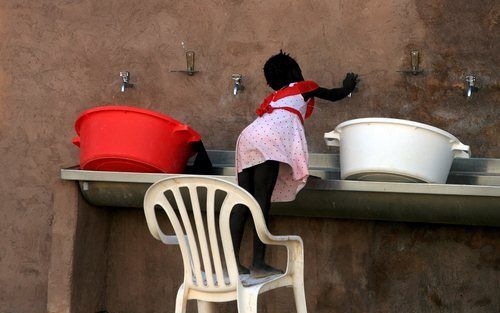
[
  {"x": 470, "y": 87},
  {"x": 125, "y": 84},
  {"x": 237, "y": 83}
]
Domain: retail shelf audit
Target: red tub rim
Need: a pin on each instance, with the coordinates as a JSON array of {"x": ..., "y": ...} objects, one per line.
[{"x": 125, "y": 108}]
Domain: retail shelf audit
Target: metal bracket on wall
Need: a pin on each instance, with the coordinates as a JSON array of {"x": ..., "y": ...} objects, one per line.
[
  {"x": 189, "y": 64},
  {"x": 415, "y": 64}
]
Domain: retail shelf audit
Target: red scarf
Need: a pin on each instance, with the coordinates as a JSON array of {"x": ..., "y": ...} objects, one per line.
[{"x": 298, "y": 88}]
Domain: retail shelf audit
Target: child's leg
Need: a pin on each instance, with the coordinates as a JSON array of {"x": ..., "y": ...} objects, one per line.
[
  {"x": 264, "y": 178},
  {"x": 239, "y": 215}
]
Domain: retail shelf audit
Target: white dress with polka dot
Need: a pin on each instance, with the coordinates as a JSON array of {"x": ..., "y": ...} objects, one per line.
[{"x": 278, "y": 136}]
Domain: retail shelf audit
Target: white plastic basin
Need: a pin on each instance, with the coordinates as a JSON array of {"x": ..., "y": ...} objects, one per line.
[{"x": 386, "y": 149}]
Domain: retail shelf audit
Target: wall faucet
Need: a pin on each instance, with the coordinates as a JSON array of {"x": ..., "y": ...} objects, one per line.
[
  {"x": 470, "y": 87},
  {"x": 125, "y": 77},
  {"x": 237, "y": 83}
]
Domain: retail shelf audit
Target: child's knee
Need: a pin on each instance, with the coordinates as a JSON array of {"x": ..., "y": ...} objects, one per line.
[{"x": 239, "y": 211}]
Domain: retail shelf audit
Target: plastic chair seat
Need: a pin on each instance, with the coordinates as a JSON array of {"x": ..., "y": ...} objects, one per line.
[{"x": 246, "y": 279}]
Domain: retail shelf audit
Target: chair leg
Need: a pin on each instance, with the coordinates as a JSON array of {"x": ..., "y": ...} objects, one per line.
[
  {"x": 300, "y": 297},
  {"x": 181, "y": 300},
  {"x": 206, "y": 307},
  {"x": 247, "y": 300}
]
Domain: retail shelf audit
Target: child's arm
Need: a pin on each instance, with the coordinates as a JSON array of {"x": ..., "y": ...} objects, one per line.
[{"x": 335, "y": 94}]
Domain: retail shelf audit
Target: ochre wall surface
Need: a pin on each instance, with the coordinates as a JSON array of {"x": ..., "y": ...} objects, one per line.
[{"x": 59, "y": 58}]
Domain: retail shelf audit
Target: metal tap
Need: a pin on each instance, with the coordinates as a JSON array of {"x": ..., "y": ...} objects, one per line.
[
  {"x": 470, "y": 87},
  {"x": 125, "y": 84},
  {"x": 237, "y": 83}
]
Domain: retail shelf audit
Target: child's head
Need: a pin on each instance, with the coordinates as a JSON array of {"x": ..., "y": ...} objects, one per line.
[{"x": 281, "y": 70}]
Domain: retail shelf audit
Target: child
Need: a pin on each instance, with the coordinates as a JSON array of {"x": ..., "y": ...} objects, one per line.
[{"x": 271, "y": 153}]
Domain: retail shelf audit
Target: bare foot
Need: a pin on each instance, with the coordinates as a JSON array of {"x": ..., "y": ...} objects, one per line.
[{"x": 264, "y": 270}]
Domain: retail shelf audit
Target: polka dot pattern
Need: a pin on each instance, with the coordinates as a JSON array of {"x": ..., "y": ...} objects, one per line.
[{"x": 278, "y": 136}]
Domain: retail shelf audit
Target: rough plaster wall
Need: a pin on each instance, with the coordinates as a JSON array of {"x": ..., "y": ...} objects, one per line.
[{"x": 59, "y": 58}]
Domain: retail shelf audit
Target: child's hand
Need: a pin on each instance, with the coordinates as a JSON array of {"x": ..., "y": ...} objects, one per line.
[{"x": 350, "y": 81}]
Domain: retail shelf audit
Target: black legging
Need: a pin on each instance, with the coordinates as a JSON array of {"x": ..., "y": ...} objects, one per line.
[{"x": 259, "y": 181}]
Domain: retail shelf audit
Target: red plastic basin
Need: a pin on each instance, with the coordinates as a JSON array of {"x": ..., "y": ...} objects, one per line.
[{"x": 128, "y": 139}]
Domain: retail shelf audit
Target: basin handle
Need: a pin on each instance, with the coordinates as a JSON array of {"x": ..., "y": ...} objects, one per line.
[
  {"x": 185, "y": 128},
  {"x": 332, "y": 138},
  {"x": 460, "y": 150},
  {"x": 76, "y": 141}
]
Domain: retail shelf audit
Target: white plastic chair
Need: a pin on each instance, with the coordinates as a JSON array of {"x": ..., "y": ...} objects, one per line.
[{"x": 208, "y": 281}]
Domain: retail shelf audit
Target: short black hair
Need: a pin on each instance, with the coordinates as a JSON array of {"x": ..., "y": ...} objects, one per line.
[{"x": 281, "y": 70}]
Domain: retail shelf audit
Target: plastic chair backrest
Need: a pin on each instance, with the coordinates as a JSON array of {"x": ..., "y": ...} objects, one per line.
[{"x": 197, "y": 248}]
